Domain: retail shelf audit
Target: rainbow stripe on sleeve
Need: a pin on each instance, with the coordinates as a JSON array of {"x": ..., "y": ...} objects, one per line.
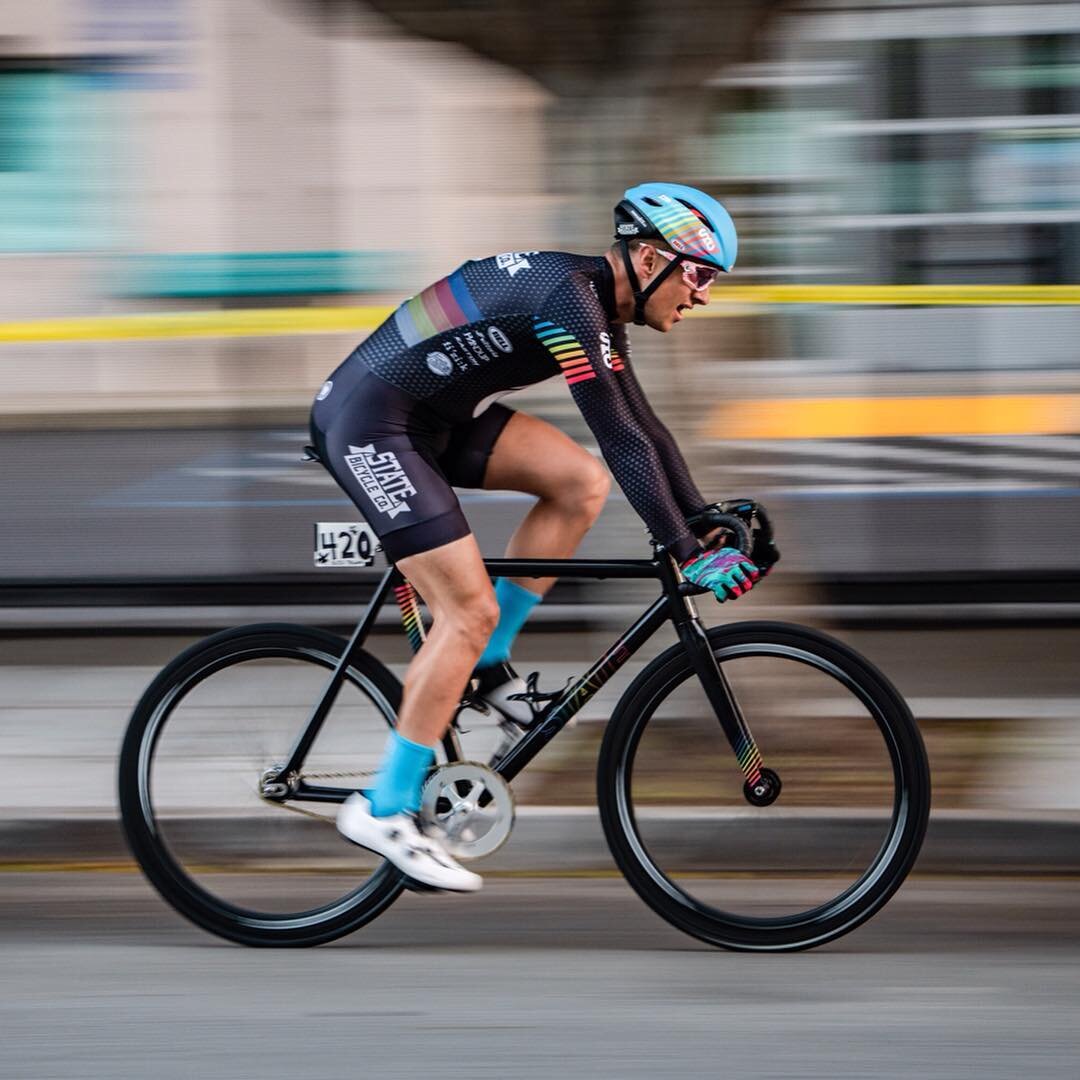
[
  {"x": 440, "y": 307},
  {"x": 566, "y": 349}
]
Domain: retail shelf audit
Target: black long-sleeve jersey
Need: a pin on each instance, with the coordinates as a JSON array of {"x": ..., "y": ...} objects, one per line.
[{"x": 499, "y": 324}]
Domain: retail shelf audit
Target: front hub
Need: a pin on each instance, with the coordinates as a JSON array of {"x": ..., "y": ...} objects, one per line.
[{"x": 764, "y": 791}]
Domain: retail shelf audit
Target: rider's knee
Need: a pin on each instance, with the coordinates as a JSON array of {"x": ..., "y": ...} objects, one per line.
[{"x": 591, "y": 488}]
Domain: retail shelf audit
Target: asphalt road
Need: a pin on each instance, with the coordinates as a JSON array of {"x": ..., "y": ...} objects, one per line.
[{"x": 538, "y": 978}]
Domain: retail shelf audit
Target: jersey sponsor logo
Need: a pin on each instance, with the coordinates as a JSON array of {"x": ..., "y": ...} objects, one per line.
[
  {"x": 324, "y": 390},
  {"x": 440, "y": 363},
  {"x": 382, "y": 478},
  {"x": 605, "y": 348},
  {"x": 500, "y": 340},
  {"x": 468, "y": 350},
  {"x": 513, "y": 261}
]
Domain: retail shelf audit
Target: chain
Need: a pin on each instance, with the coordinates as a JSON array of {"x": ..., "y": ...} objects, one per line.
[
  {"x": 313, "y": 776},
  {"x": 331, "y": 775}
]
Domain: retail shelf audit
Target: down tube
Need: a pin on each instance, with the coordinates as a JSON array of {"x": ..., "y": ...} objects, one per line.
[{"x": 575, "y": 696}]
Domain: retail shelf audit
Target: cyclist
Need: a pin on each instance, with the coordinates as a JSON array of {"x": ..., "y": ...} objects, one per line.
[{"x": 413, "y": 411}]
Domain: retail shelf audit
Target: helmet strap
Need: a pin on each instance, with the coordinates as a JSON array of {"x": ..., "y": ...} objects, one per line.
[{"x": 641, "y": 296}]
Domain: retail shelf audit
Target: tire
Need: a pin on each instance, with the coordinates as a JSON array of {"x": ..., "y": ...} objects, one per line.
[
  {"x": 845, "y": 829},
  {"x": 189, "y": 738}
]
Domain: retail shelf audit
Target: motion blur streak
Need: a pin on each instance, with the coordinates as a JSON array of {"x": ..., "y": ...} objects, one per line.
[
  {"x": 204, "y": 206},
  {"x": 271, "y": 322},
  {"x": 884, "y": 417}
]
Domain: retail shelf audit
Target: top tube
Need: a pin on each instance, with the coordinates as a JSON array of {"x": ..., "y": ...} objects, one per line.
[{"x": 575, "y": 568}]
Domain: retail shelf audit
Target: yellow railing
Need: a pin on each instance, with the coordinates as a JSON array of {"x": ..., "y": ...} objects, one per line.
[{"x": 727, "y": 300}]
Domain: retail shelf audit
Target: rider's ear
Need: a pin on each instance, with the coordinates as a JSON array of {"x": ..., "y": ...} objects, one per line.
[{"x": 647, "y": 259}]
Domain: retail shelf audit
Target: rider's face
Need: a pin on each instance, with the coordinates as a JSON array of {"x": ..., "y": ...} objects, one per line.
[{"x": 673, "y": 299}]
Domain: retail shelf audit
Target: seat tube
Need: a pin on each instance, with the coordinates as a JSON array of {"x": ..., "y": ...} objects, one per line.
[{"x": 695, "y": 640}]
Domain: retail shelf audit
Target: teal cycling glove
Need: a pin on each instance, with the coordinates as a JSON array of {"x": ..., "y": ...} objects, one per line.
[{"x": 727, "y": 572}]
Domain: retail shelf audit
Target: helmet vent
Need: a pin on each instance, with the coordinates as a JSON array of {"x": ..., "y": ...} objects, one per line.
[
  {"x": 651, "y": 201},
  {"x": 693, "y": 210}
]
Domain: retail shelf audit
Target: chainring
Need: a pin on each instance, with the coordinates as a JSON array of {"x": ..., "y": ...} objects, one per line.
[{"x": 450, "y": 803}]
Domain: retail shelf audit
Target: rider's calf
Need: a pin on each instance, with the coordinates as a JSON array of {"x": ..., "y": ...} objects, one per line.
[{"x": 470, "y": 621}]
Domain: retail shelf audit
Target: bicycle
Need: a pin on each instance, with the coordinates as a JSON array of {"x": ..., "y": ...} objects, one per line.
[{"x": 730, "y": 850}]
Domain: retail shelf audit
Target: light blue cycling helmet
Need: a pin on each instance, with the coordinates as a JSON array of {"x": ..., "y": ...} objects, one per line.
[
  {"x": 689, "y": 222},
  {"x": 686, "y": 220}
]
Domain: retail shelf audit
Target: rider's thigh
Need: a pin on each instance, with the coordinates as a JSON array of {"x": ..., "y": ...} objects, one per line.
[
  {"x": 533, "y": 456},
  {"x": 454, "y": 584}
]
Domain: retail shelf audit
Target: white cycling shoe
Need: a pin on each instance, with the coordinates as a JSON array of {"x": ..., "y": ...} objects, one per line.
[
  {"x": 503, "y": 689},
  {"x": 399, "y": 839}
]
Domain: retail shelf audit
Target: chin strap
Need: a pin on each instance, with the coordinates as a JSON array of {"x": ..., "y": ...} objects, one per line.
[{"x": 641, "y": 296}]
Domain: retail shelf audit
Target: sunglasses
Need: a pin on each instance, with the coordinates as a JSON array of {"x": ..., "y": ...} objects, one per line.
[{"x": 698, "y": 277}]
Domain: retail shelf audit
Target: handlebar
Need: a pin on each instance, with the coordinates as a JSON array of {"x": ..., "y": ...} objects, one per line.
[{"x": 748, "y": 526}]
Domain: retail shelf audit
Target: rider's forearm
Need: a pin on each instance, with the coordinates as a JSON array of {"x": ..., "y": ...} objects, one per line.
[
  {"x": 637, "y": 469},
  {"x": 683, "y": 488},
  {"x": 685, "y": 491}
]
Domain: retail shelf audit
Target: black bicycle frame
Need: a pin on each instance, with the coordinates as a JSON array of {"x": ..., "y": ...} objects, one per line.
[{"x": 675, "y": 604}]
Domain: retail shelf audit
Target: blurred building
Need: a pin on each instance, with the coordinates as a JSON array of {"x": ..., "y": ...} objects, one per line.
[
  {"x": 909, "y": 144},
  {"x": 190, "y": 154},
  {"x": 174, "y": 156}
]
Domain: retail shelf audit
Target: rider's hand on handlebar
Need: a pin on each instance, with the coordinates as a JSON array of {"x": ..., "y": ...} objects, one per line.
[
  {"x": 718, "y": 538},
  {"x": 737, "y": 523},
  {"x": 727, "y": 572}
]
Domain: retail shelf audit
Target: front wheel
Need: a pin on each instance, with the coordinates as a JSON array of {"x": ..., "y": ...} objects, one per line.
[
  {"x": 199, "y": 806},
  {"x": 818, "y": 858}
]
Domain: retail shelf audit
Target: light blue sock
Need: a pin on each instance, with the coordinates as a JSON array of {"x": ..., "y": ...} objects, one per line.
[
  {"x": 515, "y": 604},
  {"x": 401, "y": 776}
]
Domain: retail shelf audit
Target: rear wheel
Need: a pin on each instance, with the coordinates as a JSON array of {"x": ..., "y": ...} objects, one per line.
[
  {"x": 203, "y": 740},
  {"x": 838, "y": 829}
]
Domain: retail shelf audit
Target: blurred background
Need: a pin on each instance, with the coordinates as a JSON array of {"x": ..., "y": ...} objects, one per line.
[{"x": 205, "y": 205}]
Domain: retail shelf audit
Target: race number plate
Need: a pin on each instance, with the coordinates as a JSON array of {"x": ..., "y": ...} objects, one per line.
[{"x": 345, "y": 543}]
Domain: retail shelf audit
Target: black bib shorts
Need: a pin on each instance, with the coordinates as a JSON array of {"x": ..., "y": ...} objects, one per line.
[{"x": 399, "y": 461}]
